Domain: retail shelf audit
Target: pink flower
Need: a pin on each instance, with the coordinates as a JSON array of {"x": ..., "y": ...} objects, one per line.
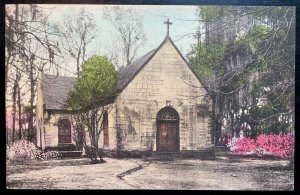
[{"x": 278, "y": 145}]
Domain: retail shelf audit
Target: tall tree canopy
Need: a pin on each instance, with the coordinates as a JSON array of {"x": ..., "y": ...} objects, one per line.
[
  {"x": 248, "y": 63},
  {"x": 93, "y": 92}
]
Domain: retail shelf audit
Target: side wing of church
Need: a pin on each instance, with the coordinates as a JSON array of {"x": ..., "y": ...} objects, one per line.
[{"x": 161, "y": 106}]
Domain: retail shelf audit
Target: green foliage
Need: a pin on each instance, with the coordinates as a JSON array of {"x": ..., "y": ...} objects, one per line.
[
  {"x": 267, "y": 62},
  {"x": 95, "y": 89},
  {"x": 268, "y": 126},
  {"x": 211, "y": 13},
  {"x": 206, "y": 59},
  {"x": 256, "y": 37},
  {"x": 96, "y": 85}
]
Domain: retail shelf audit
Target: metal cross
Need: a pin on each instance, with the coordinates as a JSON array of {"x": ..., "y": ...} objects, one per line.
[{"x": 168, "y": 24}]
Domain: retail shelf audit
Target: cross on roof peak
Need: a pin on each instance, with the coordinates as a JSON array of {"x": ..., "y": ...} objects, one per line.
[{"x": 168, "y": 24}]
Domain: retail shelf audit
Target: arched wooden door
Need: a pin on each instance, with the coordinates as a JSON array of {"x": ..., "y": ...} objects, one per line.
[
  {"x": 167, "y": 137},
  {"x": 64, "y": 131}
]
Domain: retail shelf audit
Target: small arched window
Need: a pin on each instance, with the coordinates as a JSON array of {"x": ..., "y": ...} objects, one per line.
[{"x": 167, "y": 114}]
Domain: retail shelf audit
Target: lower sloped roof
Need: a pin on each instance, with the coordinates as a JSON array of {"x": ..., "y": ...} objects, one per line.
[{"x": 56, "y": 89}]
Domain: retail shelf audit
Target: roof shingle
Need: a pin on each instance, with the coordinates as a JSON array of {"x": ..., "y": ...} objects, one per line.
[
  {"x": 126, "y": 74},
  {"x": 56, "y": 89}
]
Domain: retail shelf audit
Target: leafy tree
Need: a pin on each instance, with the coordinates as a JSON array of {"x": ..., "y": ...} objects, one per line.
[
  {"x": 212, "y": 13},
  {"x": 251, "y": 69},
  {"x": 79, "y": 133},
  {"x": 91, "y": 97},
  {"x": 210, "y": 57}
]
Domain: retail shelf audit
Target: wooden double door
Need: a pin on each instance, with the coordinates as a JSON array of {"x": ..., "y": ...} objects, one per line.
[{"x": 168, "y": 136}]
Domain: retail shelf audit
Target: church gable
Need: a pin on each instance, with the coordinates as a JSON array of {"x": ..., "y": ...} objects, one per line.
[
  {"x": 167, "y": 60},
  {"x": 164, "y": 79}
]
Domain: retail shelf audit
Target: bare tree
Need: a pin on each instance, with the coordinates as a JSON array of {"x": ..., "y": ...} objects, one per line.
[
  {"x": 27, "y": 41},
  {"x": 130, "y": 29},
  {"x": 77, "y": 32}
]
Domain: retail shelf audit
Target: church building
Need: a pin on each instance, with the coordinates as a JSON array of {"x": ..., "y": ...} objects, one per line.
[{"x": 161, "y": 106}]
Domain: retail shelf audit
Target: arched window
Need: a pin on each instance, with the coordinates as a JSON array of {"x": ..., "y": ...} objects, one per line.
[
  {"x": 105, "y": 129},
  {"x": 167, "y": 113},
  {"x": 64, "y": 131}
]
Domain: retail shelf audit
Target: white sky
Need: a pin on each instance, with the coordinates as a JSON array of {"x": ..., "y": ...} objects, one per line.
[{"x": 153, "y": 17}]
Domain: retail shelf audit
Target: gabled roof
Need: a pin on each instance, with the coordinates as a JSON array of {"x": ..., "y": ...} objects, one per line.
[
  {"x": 131, "y": 70},
  {"x": 128, "y": 72},
  {"x": 56, "y": 89}
]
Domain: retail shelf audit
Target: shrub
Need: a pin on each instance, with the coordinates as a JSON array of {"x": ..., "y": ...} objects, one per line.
[
  {"x": 21, "y": 150},
  {"x": 48, "y": 155},
  {"x": 277, "y": 145},
  {"x": 232, "y": 143},
  {"x": 245, "y": 145}
]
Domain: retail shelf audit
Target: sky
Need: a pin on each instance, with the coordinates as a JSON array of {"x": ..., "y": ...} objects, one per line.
[{"x": 184, "y": 21}]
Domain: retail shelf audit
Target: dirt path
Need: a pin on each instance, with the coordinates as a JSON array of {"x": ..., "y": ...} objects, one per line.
[
  {"x": 221, "y": 174},
  {"x": 93, "y": 176},
  {"x": 214, "y": 175}
]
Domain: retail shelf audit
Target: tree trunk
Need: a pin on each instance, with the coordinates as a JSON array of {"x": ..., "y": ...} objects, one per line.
[
  {"x": 20, "y": 113},
  {"x": 94, "y": 141},
  {"x": 14, "y": 112},
  {"x": 94, "y": 152},
  {"x": 78, "y": 58},
  {"x": 206, "y": 32},
  {"x": 32, "y": 95},
  {"x": 78, "y": 66},
  {"x": 127, "y": 56}
]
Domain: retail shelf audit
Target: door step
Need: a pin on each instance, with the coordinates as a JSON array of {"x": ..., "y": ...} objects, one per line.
[{"x": 164, "y": 156}]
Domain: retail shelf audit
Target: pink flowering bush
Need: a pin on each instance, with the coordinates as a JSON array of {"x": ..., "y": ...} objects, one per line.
[
  {"x": 277, "y": 145},
  {"x": 245, "y": 145},
  {"x": 21, "y": 150}
]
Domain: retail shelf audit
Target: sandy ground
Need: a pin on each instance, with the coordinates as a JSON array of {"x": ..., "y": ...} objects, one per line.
[
  {"x": 222, "y": 174},
  {"x": 214, "y": 175}
]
